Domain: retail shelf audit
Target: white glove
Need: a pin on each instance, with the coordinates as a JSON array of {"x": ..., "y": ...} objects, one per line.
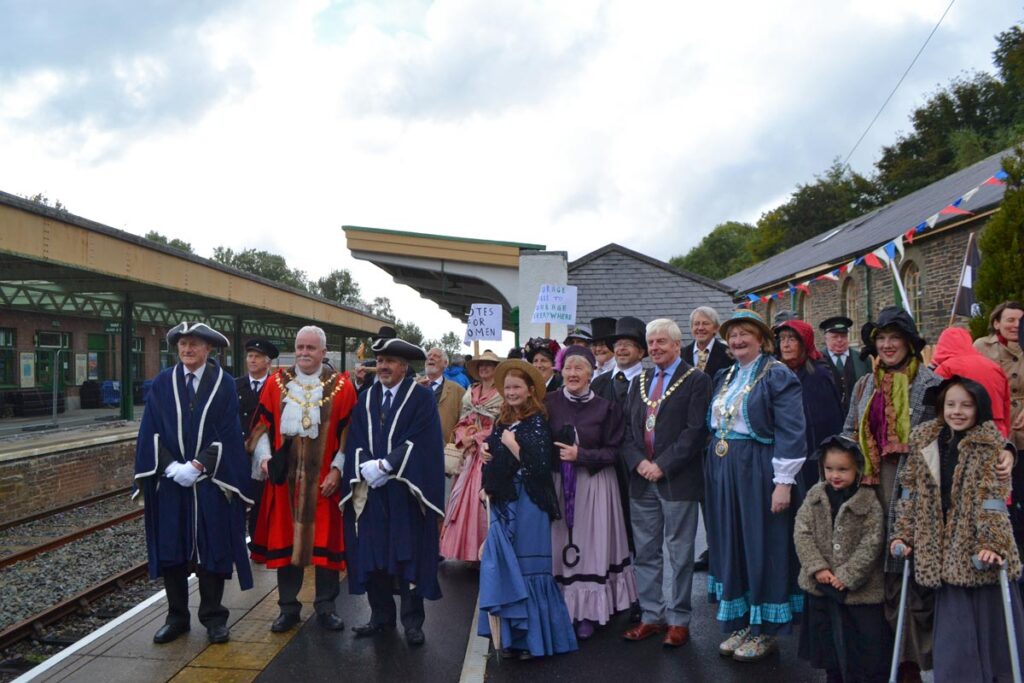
[
  {"x": 385, "y": 470},
  {"x": 172, "y": 469},
  {"x": 370, "y": 471},
  {"x": 186, "y": 475}
]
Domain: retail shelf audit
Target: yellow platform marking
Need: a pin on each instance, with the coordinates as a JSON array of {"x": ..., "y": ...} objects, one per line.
[{"x": 252, "y": 645}]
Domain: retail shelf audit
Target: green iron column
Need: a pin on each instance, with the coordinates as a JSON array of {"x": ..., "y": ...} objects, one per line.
[{"x": 127, "y": 330}]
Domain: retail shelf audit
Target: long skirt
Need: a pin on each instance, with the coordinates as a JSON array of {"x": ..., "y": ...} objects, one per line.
[
  {"x": 852, "y": 640},
  {"x": 970, "y": 633},
  {"x": 917, "y": 639},
  {"x": 516, "y": 585},
  {"x": 601, "y": 581},
  {"x": 465, "y": 522},
  {"x": 752, "y": 564}
]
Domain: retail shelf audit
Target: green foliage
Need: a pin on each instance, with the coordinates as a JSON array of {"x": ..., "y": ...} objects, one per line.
[
  {"x": 41, "y": 198},
  {"x": 381, "y": 307},
  {"x": 1000, "y": 276},
  {"x": 723, "y": 251},
  {"x": 408, "y": 331},
  {"x": 339, "y": 286},
  {"x": 264, "y": 264},
  {"x": 181, "y": 245},
  {"x": 450, "y": 343}
]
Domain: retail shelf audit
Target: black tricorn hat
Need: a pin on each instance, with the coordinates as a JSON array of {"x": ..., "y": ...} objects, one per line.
[
  {"x": 385, "y": 332},
  {"x": 602, "y": 328},
  {"x": 200, "y": 330},
  {"x": 837, "y": 323},
  {"x": 633, "y": 329},
  {"x": 263, "y": 346},
  {"x": 893, "y": 318},
  {"x": 398, "y": 348}
]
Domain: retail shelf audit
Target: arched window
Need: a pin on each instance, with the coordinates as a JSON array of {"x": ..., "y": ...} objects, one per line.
[
  {"x": 852, "y": 305},
  {"x": 911, "y": 276},
  {"x": 803, "y": 306}
]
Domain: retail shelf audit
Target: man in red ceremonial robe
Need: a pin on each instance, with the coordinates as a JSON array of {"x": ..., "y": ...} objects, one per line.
[{"x": 303, "y": 415}]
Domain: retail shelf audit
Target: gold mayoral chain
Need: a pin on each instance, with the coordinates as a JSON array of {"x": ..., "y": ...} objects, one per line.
[
  {"x": 653, "y": 417},
  {"x": 728, "y": 414},
  {"x": 307, "y": 390}
]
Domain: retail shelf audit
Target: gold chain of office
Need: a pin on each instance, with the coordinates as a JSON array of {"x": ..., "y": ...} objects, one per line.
[
  {"x": 307, "y": 390},
  {"x": 727, "y": 415},
  {"x": 653, "y": 405}
]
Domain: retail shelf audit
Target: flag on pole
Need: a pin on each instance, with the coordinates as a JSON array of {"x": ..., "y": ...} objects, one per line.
[{"x": 966, "y": 304}]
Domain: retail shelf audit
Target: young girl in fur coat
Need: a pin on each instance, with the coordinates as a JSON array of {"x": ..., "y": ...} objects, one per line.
[{"x": 951, "y": 508}]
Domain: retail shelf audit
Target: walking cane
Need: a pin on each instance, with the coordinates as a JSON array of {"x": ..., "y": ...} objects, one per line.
[
  {"x": 1011, "y": 630},
  {"x": 899, "y": 551}
]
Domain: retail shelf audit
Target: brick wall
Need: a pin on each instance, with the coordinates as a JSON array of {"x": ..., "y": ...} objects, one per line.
[
  {"x": 43, "y": 482},
  {"x": 938, "y": 260}
]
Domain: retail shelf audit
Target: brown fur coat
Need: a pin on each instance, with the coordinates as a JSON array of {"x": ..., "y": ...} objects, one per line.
[
  {"x": 852, "y": 549},
  {"x": 942, "y": 549}
]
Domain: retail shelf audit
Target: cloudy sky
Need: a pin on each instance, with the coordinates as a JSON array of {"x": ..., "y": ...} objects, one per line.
[{"x": 570, "y": 123}]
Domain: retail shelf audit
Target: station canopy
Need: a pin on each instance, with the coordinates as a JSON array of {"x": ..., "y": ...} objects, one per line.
[
  {"x": 56, "y": 263},
  {"x": 453, "y": 272}
]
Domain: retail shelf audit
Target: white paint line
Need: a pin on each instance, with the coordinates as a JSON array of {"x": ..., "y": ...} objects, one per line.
[
  {"x": 34, "y": 672},
  {"x": 475, "y": 663}
]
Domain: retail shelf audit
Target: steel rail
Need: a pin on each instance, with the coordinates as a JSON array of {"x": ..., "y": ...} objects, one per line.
[{"x": 54, "y": 543}]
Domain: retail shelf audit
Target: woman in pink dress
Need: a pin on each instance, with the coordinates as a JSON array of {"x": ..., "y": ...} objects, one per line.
[{"x": 465, "y": 521}]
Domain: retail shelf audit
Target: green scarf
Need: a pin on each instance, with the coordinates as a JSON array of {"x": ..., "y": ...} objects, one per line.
[{"x": 886, "y": 417}]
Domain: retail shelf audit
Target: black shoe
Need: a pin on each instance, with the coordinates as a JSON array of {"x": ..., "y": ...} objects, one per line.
[
  {"x": 371, "y": 629},
  {"x": 284, "y": 622},
  {"x": 169, "y": 632},
  {"x": 330, "y": 621},
  {"x": 218, "y": 634},
  {"x": 414, "y": 636},
  {"x": 636, "y": 614},
  {"x": 701, "y": 565}
]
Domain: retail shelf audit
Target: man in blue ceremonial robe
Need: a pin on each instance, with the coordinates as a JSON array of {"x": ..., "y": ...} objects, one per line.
[
  {"x": 192, "y": 471},
  {"x": 393, "y": 494}
]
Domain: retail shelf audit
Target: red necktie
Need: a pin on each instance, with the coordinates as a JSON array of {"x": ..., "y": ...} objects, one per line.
[{"x": 659, "y": 387}]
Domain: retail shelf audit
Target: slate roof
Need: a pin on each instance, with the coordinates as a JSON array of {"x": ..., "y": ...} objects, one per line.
[
  {"x": 616, "y": 281},
  {"x": 865, "y": 233}
]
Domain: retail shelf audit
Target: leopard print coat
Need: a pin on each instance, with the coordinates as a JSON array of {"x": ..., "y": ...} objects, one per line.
[{"x": 977, "y": 518}]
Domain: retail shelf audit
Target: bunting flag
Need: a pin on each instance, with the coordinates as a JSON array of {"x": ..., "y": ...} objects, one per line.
[{"x": 886, "y": 255}]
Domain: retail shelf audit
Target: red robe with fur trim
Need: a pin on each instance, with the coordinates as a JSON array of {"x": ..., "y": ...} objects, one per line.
[{"x": 296, "y": 525}]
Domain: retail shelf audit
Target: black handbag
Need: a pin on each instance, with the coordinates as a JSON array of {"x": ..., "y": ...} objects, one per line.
[{"x": 277, "y": 469}]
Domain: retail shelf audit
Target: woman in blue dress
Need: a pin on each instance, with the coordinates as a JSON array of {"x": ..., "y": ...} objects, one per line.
[
  {"x": 758, "y": 446},
  {"x": 516, "y": 584}
]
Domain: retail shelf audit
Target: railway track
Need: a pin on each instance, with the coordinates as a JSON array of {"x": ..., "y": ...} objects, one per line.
[
  {"x": 64, "y": 539},
  {"x": 35, "y": 626},
  {"x": 35, "y": 516}
]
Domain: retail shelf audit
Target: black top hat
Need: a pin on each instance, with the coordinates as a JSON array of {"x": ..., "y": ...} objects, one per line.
[
  {"x": 602, "y": 328},
  {"x": 837, "y": 323},
  {"x": 398, "y": 348},
  {"x": 199, "y": 330},
  {"x": 633, "y": 329},
  {"x": 262, "y": 346}
]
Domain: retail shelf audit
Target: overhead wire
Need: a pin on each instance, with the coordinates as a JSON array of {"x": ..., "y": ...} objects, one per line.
[{"x": 846, "y": 161}]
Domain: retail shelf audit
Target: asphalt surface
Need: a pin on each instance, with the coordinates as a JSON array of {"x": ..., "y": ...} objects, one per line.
[
  {"x": 315, "y": 654},
  {"x": 319, "y": 655}
]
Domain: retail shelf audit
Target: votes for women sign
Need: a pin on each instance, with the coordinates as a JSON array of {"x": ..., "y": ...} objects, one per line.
[
  {"x": 483, "y": 323},
  {"x": 555, "y": 304}
]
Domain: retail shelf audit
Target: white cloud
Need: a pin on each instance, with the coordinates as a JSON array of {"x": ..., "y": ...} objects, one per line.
[{"x": 570, "y": 124}]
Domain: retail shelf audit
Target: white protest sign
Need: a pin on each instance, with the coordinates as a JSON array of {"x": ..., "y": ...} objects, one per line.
[
  {"x": 483, "y": 323},
  {"x": 555, "y": 304}
]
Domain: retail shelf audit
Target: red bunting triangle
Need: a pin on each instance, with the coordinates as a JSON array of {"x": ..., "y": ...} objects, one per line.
[
  {"x": 872, "y": 261},
  {"x": 994, "y": 181},
  {"x": 804, "y": 288},
  {"x": 909, "y": 235},
  {"x": 954, "y": 211}
]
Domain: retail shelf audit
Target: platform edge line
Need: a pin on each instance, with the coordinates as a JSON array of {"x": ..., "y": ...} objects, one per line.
[{"x": 474, "y": 666}]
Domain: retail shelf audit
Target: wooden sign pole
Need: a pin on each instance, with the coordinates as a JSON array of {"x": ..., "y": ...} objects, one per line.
[
  {"x": 476, "y": 347},
  {"x": 547, "y": 330}
]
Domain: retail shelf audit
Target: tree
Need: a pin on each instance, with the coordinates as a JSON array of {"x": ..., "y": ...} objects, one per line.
[
  {"x": 410, "y": 332},
  {"x": 264, "y": 264},
  {"x": 1000, "y": 276},
  {"x": 381, "y": 307},
  {"x": 723, "y": 251},
  {"x": 450, "y": 343},
  {"x": 341, "y": 287},
  {"x": 154, "y": 236}
]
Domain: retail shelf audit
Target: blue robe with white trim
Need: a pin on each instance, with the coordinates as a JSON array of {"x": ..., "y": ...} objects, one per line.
[
  {"x": 203, "y": 524},
  {"x": 394, "y": 528}
]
